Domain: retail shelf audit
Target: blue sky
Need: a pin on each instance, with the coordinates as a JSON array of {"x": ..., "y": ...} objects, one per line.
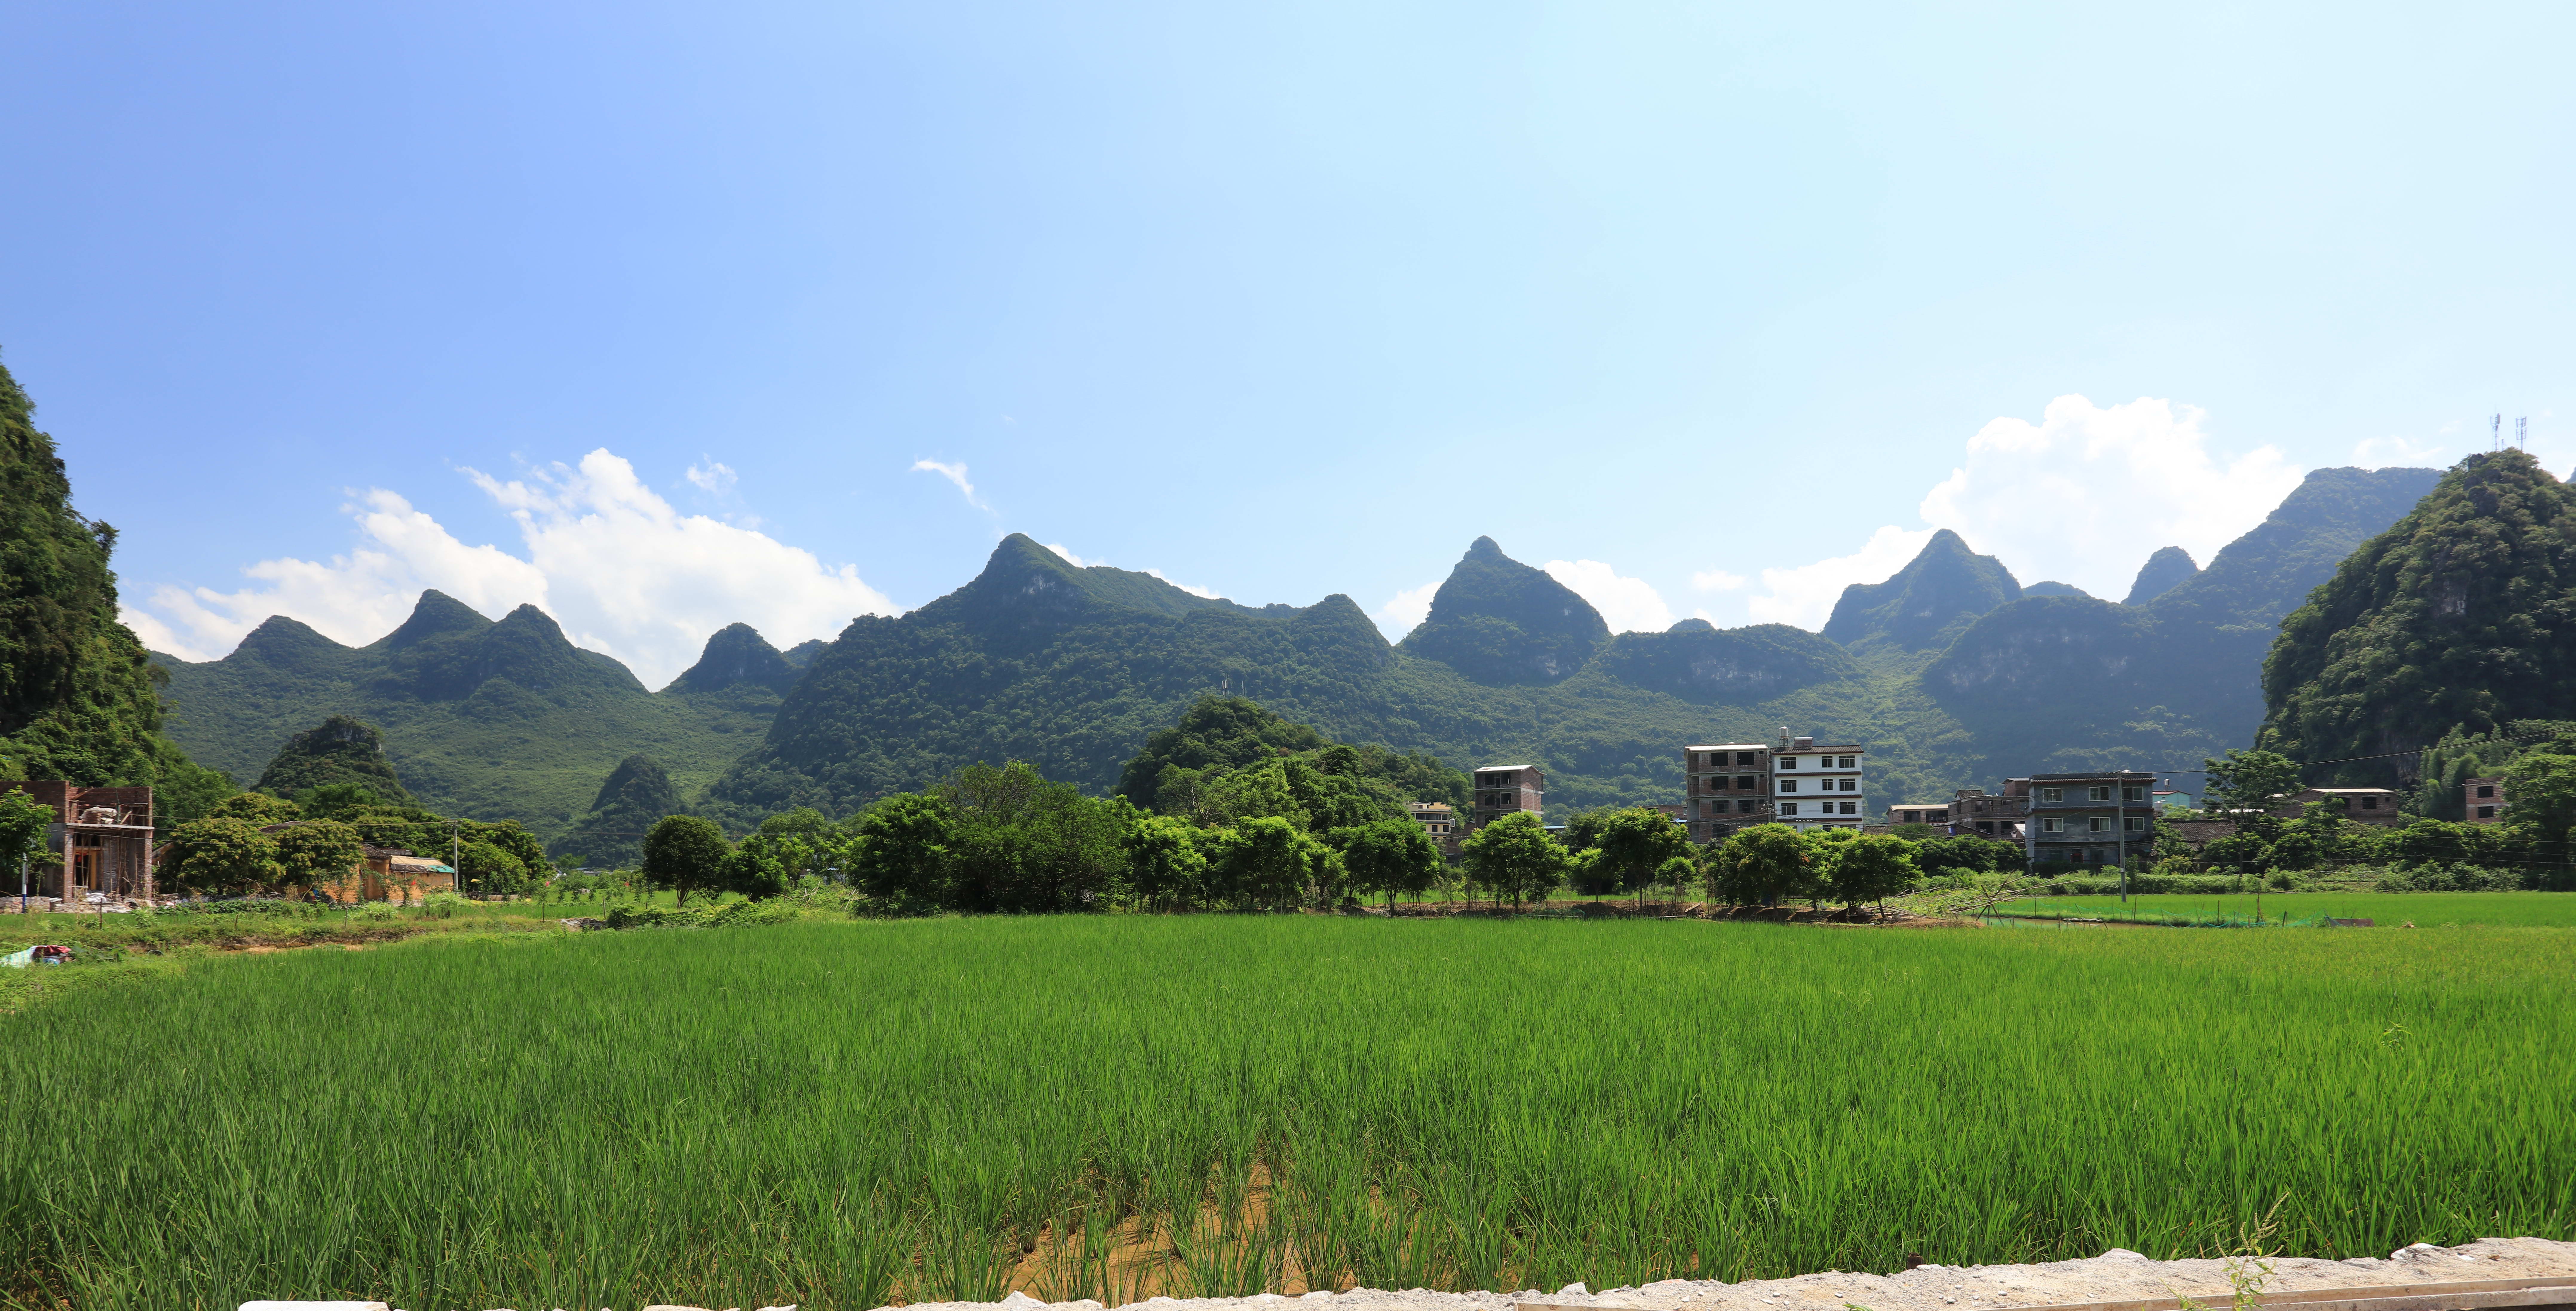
[{"x": 661, "y": 317}]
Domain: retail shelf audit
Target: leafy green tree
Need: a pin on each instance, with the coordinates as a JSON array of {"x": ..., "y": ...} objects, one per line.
[
  {"x": 1634, "y": 845},
  {"x": 23, "y": 822},
  {"x": 1760, "y": 864},
  {"x": 488, "y": 869},
  {"x": 2542, "y": 789},
  {"x": 1022, "y": 845},
  {"x": 258, "y": 809},
  {"x": 1944, "y": 856},
  {"x": 1389, "y": 857},
  {"x": 1873, "y": 867},
  {"x": 1678, "y": 873},
  {"x": 1516, "y": 859},
  {"x": 901, "y": 857},
  {"x": 220, "y": 857},
  {"x": 316, "y": 852},
  {"x": 784, "y": 849},
  {"x": 2252, "y": 780},
  {"x": 1164, "y": 863},
  {"x": 685, "y": 853},
  {"x": 1268, "y": 863}
]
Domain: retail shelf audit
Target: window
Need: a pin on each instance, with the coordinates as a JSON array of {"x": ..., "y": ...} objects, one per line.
[
  {"x": 1847, "y": 763},
  {"x": 2098, "y": 824},
  {"x": 2052, "y": 794},
  {"x": 1851, "y": 785},
  {"x": 2486, "y": 812},
  {"x": 2486, "y": 792},
  {"x": 2133, "y": 794},
  {"x": 2049, "y": 825},
  {"x": 2135, "y": 823},
  {"x": 1744, "y": 807},
  {"x": 1746, "y": 759},
  {"x": 1744, "y": 782},
  {"x": 1985, "y": 826},
  {"x": 1851, "y": 807},
  {"x": 2097, "y": 794},
  {"x": 1788, "y": 762},
  {"x": 1788, "y": 807},
  {"x": 2370, "y": 803}
]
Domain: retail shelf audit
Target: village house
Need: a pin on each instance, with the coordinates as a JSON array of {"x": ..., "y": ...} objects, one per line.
[
  {"x": 1818, "y": 785},
  {"x": 1504, "y": 789},
  {"x": 1728, "y": 785},
  {"x": 382, "y": 874},
  {"x": 1440, "y": 820},
  {"x": 2482, "y": 800},
  {"x": 2093, "y": 818},
  {"x": 2364, "y": 805},
  {"x": 100, "y": 842}
]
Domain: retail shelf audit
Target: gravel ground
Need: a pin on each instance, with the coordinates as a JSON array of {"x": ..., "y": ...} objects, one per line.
[{"x": 2114, "y": 1276}]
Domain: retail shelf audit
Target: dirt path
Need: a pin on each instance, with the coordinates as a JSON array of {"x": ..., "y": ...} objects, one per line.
[{"x": 2114, "y": 1276}]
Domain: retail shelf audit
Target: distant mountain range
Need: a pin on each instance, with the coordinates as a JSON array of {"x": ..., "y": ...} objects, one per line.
[
  {"x": 1952, "y": 671},
  {"x": 498, "y": 719}
]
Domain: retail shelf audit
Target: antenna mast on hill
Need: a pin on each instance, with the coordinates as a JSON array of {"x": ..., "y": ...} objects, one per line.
[
  {"x": 2495, "y": 432},
  {"x": 2521, "y": 430}
]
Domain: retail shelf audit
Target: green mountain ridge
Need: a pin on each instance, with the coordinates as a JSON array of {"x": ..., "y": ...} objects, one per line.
[
  {"x": 1948, "y": 670},
  {"x": 499, "y": 719}
]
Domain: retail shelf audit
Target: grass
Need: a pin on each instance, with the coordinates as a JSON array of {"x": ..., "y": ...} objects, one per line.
[
  {"x": 2390, "y": 909},
  {"x": 840, "y": 1114}
]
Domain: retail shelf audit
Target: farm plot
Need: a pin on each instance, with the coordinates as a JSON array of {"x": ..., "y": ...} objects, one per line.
[{"x": 843, "y": 1114}]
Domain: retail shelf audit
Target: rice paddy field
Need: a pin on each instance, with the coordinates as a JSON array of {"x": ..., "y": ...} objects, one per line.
[
  {"x": 2312, "y": 909},
  {"x": 844, "y": 1114}
]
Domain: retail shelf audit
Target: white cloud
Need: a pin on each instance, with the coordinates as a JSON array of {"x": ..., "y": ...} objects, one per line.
[
  {"x": 1079, "y": 563},
  {"x": 716, "y": 479},
  {"x": 2085, "y": 495},
  {"x": 1405, "y": 611},
  {"x": 1718, "y": 580},
  {"x": 613, "y": 562},
  {"x": 1629, "y": 605},
  {"x": 955, "y": 473},
  {"x": 2395, "y": 451},
  {"x": 1805, "y": 596}
]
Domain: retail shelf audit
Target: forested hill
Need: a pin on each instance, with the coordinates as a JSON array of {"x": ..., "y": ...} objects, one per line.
[
  {"x": 500, "y": 720},
  {"x": 76, "y": 695},
  {"x": 2462, "y": 616}
]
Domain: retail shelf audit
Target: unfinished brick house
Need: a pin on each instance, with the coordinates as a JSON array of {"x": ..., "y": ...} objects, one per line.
[{"x": 100, "y": 841}]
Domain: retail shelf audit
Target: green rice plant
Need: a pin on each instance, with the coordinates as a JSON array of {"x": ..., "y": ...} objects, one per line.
[{"x": 843, "y": 1113}]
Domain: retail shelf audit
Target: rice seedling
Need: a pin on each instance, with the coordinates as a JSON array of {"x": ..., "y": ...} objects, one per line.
[{"x": 846, "y": 1114}]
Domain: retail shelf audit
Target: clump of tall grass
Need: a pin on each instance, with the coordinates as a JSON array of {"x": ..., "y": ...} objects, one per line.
[{"x": 841, "y": 1113}]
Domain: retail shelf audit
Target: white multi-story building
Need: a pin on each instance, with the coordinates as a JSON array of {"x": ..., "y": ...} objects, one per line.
[{"x": 1818, "y": 786}]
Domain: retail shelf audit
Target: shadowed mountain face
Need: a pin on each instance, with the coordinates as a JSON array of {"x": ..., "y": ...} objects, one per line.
[
  {"x": 2164, "y": 571},
  {"x": 1497, "y": 620},
  {"x": 2083, "y": 682},
  {"x": 739, "y": 654},
  {"x": 636, "y": 794},
  {"x": 1928, "y": 602},
  {"x": 2051, "y": 587},
  {"x": 2462, "y": 614}
]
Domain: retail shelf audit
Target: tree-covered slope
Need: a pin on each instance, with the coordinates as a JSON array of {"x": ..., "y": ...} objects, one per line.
[
  {"x": 501, "y": 720},
  {"x": 339, "y": 750},
  {"x": 76, "y": 692},
  {"x": 2460, "y": 616}
]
